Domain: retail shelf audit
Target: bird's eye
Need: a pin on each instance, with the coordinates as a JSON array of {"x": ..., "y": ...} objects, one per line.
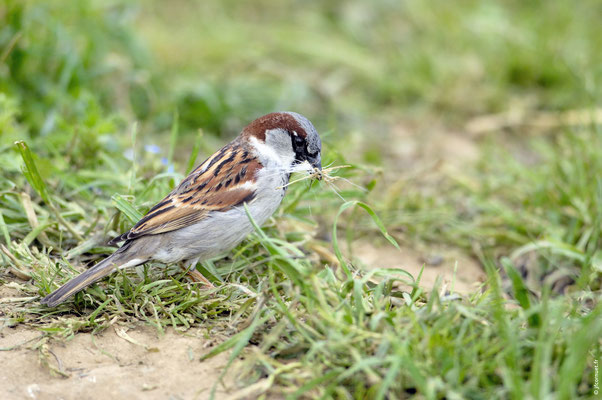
[
  {"x": 298, "y": 140},
  {"x": 313, "y": 155}
]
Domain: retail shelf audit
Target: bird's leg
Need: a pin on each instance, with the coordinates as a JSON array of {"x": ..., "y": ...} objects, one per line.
[{"x": 194, "y": 274}]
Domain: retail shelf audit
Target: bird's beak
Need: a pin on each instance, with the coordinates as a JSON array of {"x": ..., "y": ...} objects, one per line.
[{"x": 316, "y": 162}]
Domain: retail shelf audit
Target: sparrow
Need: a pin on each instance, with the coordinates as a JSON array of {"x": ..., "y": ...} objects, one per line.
[{"x": 204, "y": 216}]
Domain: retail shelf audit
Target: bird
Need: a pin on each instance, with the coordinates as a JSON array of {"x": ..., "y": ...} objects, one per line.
[{"x": 205, "y": 216}]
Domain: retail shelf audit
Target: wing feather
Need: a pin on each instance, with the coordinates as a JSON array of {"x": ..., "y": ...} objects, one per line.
[{"x": 223, "y": 181}]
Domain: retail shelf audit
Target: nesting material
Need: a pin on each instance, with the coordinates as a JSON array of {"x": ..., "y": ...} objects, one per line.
[{"x": 321, "y": 175}]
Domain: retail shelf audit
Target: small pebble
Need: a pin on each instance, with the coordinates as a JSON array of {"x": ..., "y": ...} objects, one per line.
[{"x": 434, "y": 260}]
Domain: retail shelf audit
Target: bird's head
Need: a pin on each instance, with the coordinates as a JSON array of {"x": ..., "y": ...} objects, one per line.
[{"x": 286, "y": 137}]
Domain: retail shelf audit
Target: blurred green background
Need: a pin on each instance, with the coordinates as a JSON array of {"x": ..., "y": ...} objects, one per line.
[{"x": 221, "y": 63}]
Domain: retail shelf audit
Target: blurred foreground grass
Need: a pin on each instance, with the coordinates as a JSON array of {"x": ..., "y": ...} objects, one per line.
[{"x": 108, "y": 98}]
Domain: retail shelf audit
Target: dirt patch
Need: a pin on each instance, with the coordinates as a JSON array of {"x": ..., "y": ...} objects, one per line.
[
  {"x": 458, "y": 272},
  {"x": 408, "y": 146},
  {"x": 106, "y": 365},
  {"x": 410, "y": 151}
]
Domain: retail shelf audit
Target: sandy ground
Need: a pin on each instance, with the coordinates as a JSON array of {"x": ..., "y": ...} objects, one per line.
[
  {"x": 457, "y": 272},
  {"x": 107, "y": 366}
]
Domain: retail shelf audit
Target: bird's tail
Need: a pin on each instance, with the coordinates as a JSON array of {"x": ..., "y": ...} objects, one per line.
[{"x": 115, "y": 261}]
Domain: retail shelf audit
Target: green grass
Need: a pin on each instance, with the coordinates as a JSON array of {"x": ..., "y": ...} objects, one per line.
[
  {"x": 106, "y": 101},
  {"x": 550, "y": 206}
]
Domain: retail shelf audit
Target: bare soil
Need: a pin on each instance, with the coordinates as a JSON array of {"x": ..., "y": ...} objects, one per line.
[
  {"x": 456, "y": 271},
  {"x": 108, "y": 366}
]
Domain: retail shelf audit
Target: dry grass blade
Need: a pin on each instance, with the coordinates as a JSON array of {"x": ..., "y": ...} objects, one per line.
[{"x": 321, "y": 175}]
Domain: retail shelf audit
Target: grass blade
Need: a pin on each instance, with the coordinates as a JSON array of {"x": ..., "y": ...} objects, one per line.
[
  {"x": 521, "y": 293},
  {"x": 375, "y": 218},
  {"x": 194, "y": 153},
  {"x": 126, "y": 208},
  {"x": 30, "y": 170},
  {"x": 173, "y": 138}
]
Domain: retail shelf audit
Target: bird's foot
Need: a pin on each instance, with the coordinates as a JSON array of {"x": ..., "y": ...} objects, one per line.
[{"x": 195, "y": 276}]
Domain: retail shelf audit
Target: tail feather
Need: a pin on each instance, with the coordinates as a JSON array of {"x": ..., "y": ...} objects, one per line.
[{"x": 85, "y": 279}]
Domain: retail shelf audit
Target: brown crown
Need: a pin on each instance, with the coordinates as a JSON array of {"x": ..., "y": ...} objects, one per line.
[{"x": 274, "y": 120}]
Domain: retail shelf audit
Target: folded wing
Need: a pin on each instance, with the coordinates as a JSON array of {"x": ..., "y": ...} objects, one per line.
[{"x": 224, "y": 181}]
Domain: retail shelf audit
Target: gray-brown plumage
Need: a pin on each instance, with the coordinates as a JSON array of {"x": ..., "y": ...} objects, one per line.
[{"x": 204, "y": 216}]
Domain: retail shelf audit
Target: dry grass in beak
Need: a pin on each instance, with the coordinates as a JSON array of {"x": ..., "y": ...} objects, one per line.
[{"x": 321, "y": 175}]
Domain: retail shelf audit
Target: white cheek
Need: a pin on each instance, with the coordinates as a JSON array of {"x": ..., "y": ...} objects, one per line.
[
  {"x": 305, "y": 166},
  {"x": 277, "y": 151},
  {"x": 263, "y": 149}
]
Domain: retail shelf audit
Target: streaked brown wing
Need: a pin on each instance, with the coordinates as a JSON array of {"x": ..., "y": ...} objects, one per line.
[{"x": 220, "y": 183}]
